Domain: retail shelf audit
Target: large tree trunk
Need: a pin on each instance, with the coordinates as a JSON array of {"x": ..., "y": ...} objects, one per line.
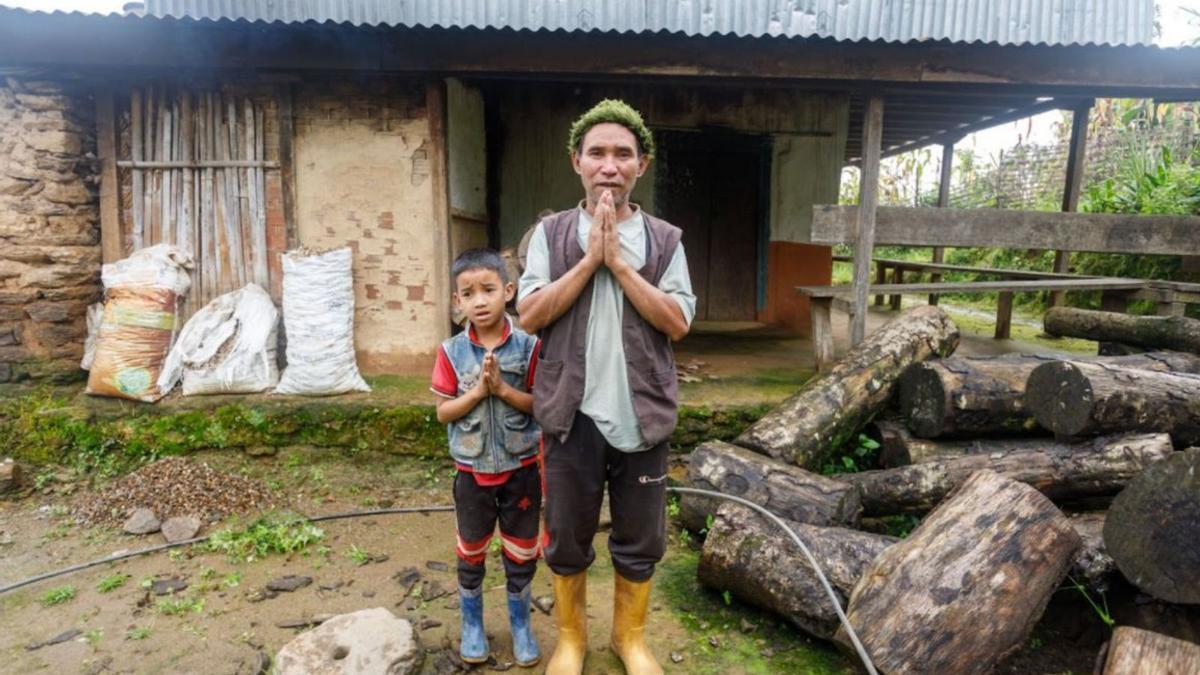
[
  {"x": 1153, "y": 332},
  {"x": 967, "y": 586},
  {"x": 979, "y": 397},
  {"x": 1075, "y": 399},
  {"x": 1093, "y": 565},
  {"x": 832, "y": 407},
  {"x": 753, "y": 559},
  {"x": 1133, "y": 651},
  {"x": 1065, "y": 473},
  {"x": 898, "y": 447},
  {"x": 785, "y": 490},
  {"x": 1153, "y": 529}
]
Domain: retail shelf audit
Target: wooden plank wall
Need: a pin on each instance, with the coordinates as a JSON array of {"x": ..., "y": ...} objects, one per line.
[{"x": 198, "y": 172}]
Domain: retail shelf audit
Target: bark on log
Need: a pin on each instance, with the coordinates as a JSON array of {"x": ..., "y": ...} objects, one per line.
[
  {"x": 980, "y": 397},
  {"x": 967, "y": 586},
  {"x": 1153, "y": 332},
  {"x": 1133, "y": 651},
  {"x": 1153, "y": 529},
  {"x": 806, "y": 428},
  {"x": 1075, "y": 399},
  {"x": 898, "y": 447},
  {"x": 1099, "y": 467},
  {"x": 785, "y": 490},
  {"x": 758, "y": 563},
  {"x": 1093, "y": 566}
]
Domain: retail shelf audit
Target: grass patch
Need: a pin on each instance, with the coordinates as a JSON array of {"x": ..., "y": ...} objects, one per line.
[
  {"x": 716, "y": 623},
  {"x": 139, "y": 633},
  {"x": 359, "y": 556},
  {"x": 57, "y": 596},
  {"x": 177, "y": 606},
  {"x": 112, "y": 582},
  {"x": 269, "y": 534}
]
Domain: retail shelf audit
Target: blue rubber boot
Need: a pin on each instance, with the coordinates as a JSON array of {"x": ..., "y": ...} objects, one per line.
[
  {"x": 525, "y": 646},
  {"x": 474, "y": 646}
]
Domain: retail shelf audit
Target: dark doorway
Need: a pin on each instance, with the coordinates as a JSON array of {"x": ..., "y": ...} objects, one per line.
[{"x": 712, "y": 186}]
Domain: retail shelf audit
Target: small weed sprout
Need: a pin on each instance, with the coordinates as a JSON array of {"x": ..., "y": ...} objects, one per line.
[
  {"x": 93, "y": 637},
  {"x": 673, "y": 506},
  {"x": 727, "y": 597},
  {"x": 232, "y": 580},
  {"x": 139, "y": 633},
  {"x": 57, "y": 596},
  {"x": 176, "y": 606},
  {"x": 358, "y": 555},
  {"x": 112, "y": 582},
  {"x": 269, "y": 534},
  {"x": 1100, "y": 608}
]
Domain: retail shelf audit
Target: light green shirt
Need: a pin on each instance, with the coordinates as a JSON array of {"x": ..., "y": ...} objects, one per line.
[{"x": 607, "y": 398}]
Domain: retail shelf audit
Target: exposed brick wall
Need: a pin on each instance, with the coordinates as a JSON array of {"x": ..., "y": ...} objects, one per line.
[{"x": 49, "y": 228}]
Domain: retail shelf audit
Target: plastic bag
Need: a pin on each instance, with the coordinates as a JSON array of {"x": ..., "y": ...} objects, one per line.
[
  {"x": 318, "y": 317},
  {"x": 95, "y": 314},
  {"x": 227, "y": 347},
  {"x": 141, "y": 314}
]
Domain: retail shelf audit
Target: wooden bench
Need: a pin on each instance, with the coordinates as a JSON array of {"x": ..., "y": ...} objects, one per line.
[{"x": 1116, "y": 294}]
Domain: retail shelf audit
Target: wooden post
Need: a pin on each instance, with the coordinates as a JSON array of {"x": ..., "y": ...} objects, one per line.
[
  {"x": 868, "y": 201},
  {"x": 897, "y": 278},
  {"x": 822, "y": 335},
  {"x": 881, "y": 279},
  {"x": 435, "y": 105},
  {"x": 287, "y": 166},
  {"x": 106, "y": 147},
  {"x": 1004, "y": 308},
  {"x": 939, "y": 252},
  {"x": 1076, "y": 157}
]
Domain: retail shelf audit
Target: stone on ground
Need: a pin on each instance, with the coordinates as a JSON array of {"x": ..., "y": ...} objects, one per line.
[
  {"x": 180, "y": 528},
  {"x": 10, "y": 475},
  {"x": 366, "y": 642},
  {"x": 142, "y": 521}
]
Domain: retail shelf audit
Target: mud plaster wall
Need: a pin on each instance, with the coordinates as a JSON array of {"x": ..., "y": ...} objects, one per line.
[
  {"x": 362, "y": 160},
  {"x": 49, "y": 227}
]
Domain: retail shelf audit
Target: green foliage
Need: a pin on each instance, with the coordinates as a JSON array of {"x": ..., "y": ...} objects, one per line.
[
  {"x": 1100, "y": 608},
  {"x": 58, "y": 595},
  {"x": 93, "y": 637},
  {"x": 140, "y": 633},
  {"x": 272, "y": 533},
  {"x": 112, "y": 582},
  {"x": 860, "y": 457},
  {"x": 358, "y": 555},
  {"x": 177, "y": 606},
  {"x": 673, "y": 506}
]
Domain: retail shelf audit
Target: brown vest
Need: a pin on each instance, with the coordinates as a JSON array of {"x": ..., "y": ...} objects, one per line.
[{"x": 650, "y": 363}]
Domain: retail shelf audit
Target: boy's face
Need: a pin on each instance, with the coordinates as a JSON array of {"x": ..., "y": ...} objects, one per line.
[{"x": 481, "y": 295}]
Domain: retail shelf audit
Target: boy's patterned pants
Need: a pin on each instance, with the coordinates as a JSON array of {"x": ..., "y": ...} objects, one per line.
[{"x": 517, "y": 505}]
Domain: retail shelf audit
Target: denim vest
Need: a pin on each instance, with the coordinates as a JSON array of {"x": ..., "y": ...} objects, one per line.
[{"x": 494, "y": 437}]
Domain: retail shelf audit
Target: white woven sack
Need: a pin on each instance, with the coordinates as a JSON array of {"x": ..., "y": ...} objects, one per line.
[
  {"x": 318, "y": 316},
  {"x": 227, "y": 347}
]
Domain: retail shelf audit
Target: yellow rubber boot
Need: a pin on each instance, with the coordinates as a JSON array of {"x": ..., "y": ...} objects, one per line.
[
  {"x": 570, "y": 613},
  {"x": 630, "y": 601}
]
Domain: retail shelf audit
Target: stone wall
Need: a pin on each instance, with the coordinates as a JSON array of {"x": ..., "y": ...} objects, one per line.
[{"x": 49, "y": 228}]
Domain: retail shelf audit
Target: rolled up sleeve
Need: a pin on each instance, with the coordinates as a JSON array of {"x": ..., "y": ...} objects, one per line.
[
  {"x": 537, "y": 265},
  {"x": 677, "y": 283}
]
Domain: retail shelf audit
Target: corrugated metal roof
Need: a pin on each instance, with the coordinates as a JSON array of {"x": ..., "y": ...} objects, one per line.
[{"x": 1011, "y": 22}]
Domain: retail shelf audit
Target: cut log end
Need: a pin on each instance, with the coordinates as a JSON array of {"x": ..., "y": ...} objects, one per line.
[
  {"x": 1059, "y": 396},
  {"x": 1153, "y": 529},
  {"x": 923, "y": 401}
]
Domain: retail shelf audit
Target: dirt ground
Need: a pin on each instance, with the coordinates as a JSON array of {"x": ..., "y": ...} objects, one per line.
[{"x": 225, "y": 627}]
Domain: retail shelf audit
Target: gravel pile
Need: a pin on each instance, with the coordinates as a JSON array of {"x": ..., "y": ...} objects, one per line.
[{"x": 175, "y": 486}]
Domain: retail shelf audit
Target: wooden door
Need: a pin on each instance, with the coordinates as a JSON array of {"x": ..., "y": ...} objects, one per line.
[{"x": 711, "y": 187}]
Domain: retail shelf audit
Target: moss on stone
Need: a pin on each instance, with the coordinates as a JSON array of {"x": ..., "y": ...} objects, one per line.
[{"x": 112, "y": 436}]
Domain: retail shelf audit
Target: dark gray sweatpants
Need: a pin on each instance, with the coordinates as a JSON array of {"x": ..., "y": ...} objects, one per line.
[{"x": 575, "y": 473}]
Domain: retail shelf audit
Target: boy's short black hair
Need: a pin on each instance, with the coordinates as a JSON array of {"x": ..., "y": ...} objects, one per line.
[{"x": 478, "y": 259}]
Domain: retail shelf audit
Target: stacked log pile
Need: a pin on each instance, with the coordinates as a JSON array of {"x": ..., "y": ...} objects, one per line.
[{"x": 989, "y": 451}]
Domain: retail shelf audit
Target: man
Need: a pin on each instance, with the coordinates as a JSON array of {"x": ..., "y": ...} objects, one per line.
[{"x": 607, "y": 287}]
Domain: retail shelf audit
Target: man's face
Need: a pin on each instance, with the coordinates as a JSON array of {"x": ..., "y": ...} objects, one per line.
[{"x": 608, "y": 159}]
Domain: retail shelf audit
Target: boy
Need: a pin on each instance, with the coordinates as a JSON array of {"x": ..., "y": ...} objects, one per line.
[{"x": 483, "y": 378}]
